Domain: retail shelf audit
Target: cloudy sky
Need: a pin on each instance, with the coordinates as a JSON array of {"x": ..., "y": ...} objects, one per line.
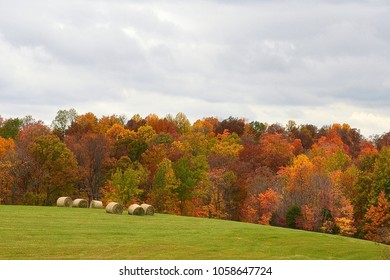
[{"x": 312, "y": 61}]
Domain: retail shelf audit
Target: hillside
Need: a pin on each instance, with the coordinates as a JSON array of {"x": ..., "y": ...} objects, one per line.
[
  {"x": 329, "y": 179},
  {"x": 32, "y": 232}
]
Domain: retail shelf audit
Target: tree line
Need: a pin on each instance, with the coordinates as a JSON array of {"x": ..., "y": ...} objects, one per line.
[{"x": 329, "y": 179}]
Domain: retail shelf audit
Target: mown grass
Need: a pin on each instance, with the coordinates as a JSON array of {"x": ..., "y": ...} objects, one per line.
[{"x": 48, "y": 233}]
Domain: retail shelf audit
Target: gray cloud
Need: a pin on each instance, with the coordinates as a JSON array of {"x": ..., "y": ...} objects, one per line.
[{"x": 242, "y": 58}]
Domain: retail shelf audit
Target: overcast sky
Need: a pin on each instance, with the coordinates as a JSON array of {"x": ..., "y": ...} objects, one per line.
[{"x": 312, "y": 61}]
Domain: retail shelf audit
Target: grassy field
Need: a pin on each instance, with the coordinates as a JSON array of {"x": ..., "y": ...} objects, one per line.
[{"x": 28, "y": 232}]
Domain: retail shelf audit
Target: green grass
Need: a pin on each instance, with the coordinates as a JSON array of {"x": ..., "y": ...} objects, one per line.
[{"x": 28, "y": 232}]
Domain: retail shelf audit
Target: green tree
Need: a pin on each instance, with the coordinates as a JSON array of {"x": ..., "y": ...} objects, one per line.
[
  {"x": 362, "y": 192},
  {"x": 63, "y": 120},
  {"x": 257, "y": 129},
  {"x": 136, "y": 148},
  {"x": 10, "y": 127},
  {"x": 126, "y": 183},
  {"x": 382, "y": 172},
  {"x": 190, "y": 171},
  {"x": 182, "y": 123},
  {"x": 292, "y": 216}
]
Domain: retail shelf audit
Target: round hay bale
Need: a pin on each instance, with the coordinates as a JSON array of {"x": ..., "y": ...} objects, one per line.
[
  {"x": 114, "y": 208},
  {"x": 135, "y": 209},
  {"x": 64, "y": 201},
  {"x": 80, "y": 203},
  {"x": 149, "y": 209},
  {"x": 96, "y": 204}
]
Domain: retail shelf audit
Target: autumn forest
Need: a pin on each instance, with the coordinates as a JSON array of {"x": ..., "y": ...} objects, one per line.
[{"x": 329, "y": 179}]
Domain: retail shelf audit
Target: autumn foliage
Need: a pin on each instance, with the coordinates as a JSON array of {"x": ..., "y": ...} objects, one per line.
[
  {"x": 329, "y": 179},
  {"x": 378, "y": 221}
]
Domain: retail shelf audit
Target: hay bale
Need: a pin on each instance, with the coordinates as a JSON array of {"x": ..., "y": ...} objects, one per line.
[
  {"x": 96, "y": 204},
  {"x": 114, "y": 208},
  {"x": 149, "y": 209},
  {"x": 80, "y": 203},
  {"x": 135, "y": 209},
  {"x": 64, "y": 201}
]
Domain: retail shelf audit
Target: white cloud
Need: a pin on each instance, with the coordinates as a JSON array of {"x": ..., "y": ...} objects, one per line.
[
  {"x": 371, "y": 123},
  {"x": 368, "y": 121},
  {"x": 312, "y": 61}
]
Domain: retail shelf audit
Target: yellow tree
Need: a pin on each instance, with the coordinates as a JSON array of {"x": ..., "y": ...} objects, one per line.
[
  {"x": 106, "y": 122},
  {"x": 125, "y": 184},
  {"x": 314, "y": 186},
  {"x": 298, "y": 180},
  {"x": 343, "y": 214},
  {"x": 227, "y": 145},
  {"x": 205, "y": 127},
  {"x": 195, "y": 143},
  {"x": 146, "y": 133},
  {"x": 83, "y": 124},
  {"x": 117, "y": 132},
  {"x": 303, "y": 189},
  {"x": 7, "y": 147}
]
